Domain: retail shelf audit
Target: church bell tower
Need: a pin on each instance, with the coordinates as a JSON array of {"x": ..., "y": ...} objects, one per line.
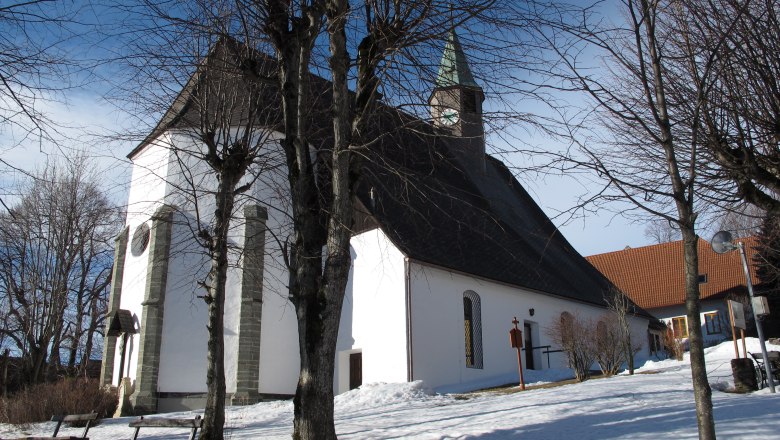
[{"x": 456, "y": 103}]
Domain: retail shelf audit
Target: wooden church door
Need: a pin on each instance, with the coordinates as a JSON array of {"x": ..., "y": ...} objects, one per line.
[
  {"x": 355, "y": 370},
  {"x": 529, "y": 346}
]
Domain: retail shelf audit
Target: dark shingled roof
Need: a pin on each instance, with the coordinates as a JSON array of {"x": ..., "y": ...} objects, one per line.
[{"x": 440, "y": 210}]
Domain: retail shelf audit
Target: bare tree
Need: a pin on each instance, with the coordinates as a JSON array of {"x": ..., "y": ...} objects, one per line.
[
  {"x": 740, "y": 113},
  {"x": 319, "y": 254},
  {"x": 608, "y": 345},
  {"x": 621, "y": 309},
  {"x": 234, "y": 141},
  {"x": 223, "y": 117},
  {"x": 661, "y": 231},
  {"x": 55, "y": 264},
  {"x": 672, "y": 345},
  {"x": 36, "y": 67},
  {"x": 576, "y": 339},
  {"x": 767, "y": 258},
  {"x": 647, "y": 89},
  {"x": 28, "y": 58},
  {"x": 742, "y": 221}
]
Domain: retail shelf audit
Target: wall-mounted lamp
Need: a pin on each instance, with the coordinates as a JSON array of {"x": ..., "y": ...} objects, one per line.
[{"x": 531, "y": 312}]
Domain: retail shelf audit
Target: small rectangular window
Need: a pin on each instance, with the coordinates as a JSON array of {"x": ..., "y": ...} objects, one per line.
[
  {"x": 712, "y": 322},
  {"x": 680, "y": 327},
  {"x": 702, "y": 278}
]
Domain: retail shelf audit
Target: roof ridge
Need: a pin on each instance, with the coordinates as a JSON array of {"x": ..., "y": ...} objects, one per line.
[{"x": 630, "y": 248}]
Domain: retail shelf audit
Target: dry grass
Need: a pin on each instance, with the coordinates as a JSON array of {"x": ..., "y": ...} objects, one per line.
[{"x": 68, "y": 396}]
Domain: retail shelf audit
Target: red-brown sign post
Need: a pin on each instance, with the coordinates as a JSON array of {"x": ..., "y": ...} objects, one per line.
[{"x": 516, "y": 340}]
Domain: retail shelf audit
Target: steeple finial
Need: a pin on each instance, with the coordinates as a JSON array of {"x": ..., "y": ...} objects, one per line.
[{"x": 454, "y": 67}]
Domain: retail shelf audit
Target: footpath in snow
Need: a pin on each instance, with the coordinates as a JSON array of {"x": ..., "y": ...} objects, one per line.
[{"x": 655, "y": 403}]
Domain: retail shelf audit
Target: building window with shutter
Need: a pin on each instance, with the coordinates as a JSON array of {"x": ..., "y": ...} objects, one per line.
[{"x": 472, "y": 329}]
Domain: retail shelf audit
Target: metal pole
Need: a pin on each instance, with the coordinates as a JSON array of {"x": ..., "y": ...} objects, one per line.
[
  {"x": 770, "y": 380},
  {"x": 733, "y": 331}
]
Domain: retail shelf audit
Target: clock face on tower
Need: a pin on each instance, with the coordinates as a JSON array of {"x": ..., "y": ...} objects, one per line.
[{"x": 449, "y": 116}]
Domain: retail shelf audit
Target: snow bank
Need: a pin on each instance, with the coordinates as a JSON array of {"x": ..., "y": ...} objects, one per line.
[
  {"x": 382, "y": 394},
  {"x": 638, "y": 407}
]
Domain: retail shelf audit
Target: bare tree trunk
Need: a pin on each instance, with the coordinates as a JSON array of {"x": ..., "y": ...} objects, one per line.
[
  {"x": 313, "y": 413},
  {"x": 214, "y": 416},
  {"x": 86, "y": 354},
  {"x": 319, "y": 312},
  {"x": 683, "y": 194},
  {"x": 38, "y": 358},
  {"x": 308, "y": 289},
  {"x": 4, "y": 372},
  {"x": 619, "y": 303},
  {"x": 701, "y": 387},
  {"x": 77, "y": 332},
  {"x": 95, "y": 322},
  {"x": 82, "y": 303}
]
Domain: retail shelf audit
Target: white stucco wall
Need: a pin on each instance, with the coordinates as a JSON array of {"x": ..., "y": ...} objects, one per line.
[
  {"x": 438, "y": 328},
  {"x": 184, "y": 335},
  {"x": 279, "y": 360},
  {"x": 148, "y": 187},
  {"x": 373, "y": 317},
  {"x": 160, "y": 177}
]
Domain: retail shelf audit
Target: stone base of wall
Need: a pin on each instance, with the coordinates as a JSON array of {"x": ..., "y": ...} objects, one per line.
[
  {"x": 144, "y": 403},
  {"x": 245, "y": 398},
  {"x": 172, "y": 402}
]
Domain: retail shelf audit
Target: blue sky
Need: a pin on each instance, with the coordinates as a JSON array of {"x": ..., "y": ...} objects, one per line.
[{"x": 86, "y": 114}]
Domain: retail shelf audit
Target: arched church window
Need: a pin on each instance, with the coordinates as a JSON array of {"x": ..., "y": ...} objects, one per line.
[{"x": 472, "y": 329}]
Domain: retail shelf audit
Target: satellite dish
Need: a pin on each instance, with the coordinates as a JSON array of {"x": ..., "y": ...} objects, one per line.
[{"x": 722, "y": 242}]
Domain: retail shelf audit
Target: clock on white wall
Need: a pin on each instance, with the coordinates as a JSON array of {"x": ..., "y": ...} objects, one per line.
[{"x": 449, "y": 116}]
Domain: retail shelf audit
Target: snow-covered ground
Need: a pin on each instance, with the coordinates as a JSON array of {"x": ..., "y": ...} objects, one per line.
[{"x": 658, "y": 404}]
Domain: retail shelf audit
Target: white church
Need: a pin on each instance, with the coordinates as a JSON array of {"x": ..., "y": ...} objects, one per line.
[{"x": 447, "y": 249}]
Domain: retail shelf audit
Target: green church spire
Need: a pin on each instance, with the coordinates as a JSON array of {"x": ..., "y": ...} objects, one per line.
[{"x": 454, "y": 67}]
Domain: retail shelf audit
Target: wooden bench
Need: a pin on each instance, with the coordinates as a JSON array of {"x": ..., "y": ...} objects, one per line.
[
  {"x": 70, "y": 418},
  {"x": 53, "y": 438},
  {"x": 160, "y": 422}
]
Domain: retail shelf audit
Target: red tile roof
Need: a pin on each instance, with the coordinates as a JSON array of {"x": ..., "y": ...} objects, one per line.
[{"x": 653, "y": 276}]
